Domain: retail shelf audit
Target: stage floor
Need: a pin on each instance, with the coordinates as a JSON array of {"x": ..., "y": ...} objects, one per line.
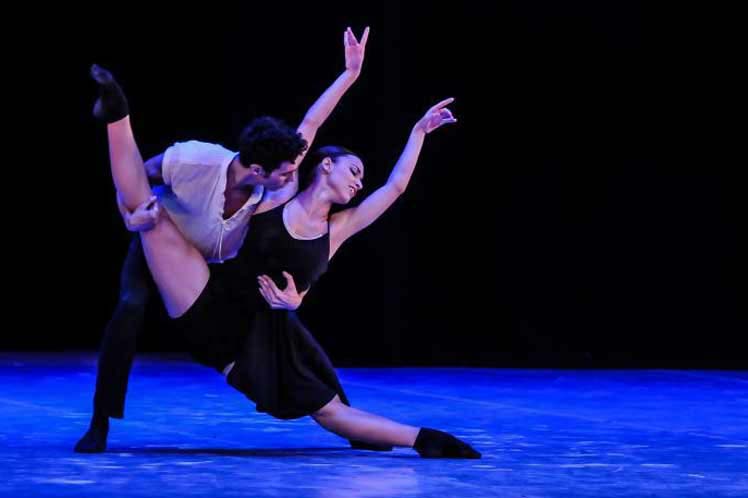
[{"x": 543, "y": 433}]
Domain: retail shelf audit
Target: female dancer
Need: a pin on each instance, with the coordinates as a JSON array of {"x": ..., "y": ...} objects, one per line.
[{"x": 265, "y": 351}]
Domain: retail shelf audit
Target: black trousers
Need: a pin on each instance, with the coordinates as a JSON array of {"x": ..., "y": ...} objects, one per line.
[{"x": 120, "y": 335}]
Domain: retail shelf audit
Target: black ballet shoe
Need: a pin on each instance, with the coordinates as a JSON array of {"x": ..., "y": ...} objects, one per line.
[
  {"x": 431, "y": 443},
  {"x": 111, "y": 105},
  {"x": 94, "y": 440}
]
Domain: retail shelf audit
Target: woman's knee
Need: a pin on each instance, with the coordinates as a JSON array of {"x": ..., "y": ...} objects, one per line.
[{"x": 331, "y": 409}]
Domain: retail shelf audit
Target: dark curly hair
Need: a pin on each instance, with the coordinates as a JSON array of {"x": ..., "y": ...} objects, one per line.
[{"x": 268, "y": 141}]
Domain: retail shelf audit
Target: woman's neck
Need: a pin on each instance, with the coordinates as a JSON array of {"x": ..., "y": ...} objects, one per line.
[{"x": 314, "y": 204}]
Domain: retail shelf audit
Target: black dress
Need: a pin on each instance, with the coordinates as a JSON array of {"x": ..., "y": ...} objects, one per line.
[{"x": 278, "y": 363}]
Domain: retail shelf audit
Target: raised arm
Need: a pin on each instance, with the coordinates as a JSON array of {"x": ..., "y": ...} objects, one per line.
[
  {"x": 323, "y": 107},
  {"x": 346, "y": 223}
]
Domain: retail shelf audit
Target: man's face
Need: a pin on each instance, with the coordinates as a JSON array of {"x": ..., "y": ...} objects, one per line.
[{"x": 281, "y": 176}]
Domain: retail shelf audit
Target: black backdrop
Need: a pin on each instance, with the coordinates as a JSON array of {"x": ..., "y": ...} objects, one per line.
[{"x": 584, "y": 211}]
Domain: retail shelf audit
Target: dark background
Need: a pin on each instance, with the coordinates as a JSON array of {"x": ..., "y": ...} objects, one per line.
[{"x": 587, "y": 209}]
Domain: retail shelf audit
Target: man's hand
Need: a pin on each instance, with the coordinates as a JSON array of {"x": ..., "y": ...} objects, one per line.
[{"x": 144, "y": 217}]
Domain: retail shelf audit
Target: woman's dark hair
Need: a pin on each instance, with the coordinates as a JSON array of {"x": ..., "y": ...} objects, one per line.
[{"x": 315, "y": 157}]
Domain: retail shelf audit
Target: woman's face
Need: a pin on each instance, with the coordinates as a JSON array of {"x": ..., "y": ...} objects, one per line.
[{"x": 345, "y": 177}]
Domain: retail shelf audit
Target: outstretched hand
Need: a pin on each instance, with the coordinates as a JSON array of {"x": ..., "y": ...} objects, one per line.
[
  {"x": 354, "y": 50},
  {"x": 436, "y": 117}
]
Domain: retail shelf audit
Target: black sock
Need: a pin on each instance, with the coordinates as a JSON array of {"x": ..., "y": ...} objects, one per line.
[
  {"x": 94, "y": 440},
  {"x": 431, "y": 443},
  {"x": 111, "y": 105}
]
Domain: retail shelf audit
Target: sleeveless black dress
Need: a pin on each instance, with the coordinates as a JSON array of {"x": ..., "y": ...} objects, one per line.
[{"x": 278, "y": 363}]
